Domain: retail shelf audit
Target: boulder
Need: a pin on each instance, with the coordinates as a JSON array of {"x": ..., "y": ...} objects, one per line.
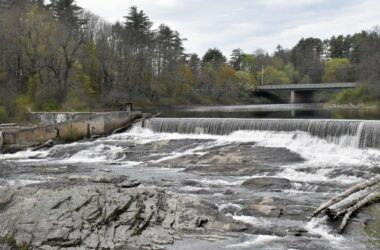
[{"x": 267, "y": 183}]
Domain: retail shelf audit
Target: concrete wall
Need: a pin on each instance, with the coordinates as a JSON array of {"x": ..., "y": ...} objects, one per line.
[
  {"x": 95, "y": 124},
  {"x": 301, "y": 97},
  {"x": 57, "y": 117}
]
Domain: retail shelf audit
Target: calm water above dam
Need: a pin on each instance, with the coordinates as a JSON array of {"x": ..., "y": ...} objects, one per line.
[
  {"x": 222, "y": 160},
  {"x": 308, "y": 111}
]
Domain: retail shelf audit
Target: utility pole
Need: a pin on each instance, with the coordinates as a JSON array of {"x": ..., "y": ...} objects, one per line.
[{"x": 262, "y": 75}]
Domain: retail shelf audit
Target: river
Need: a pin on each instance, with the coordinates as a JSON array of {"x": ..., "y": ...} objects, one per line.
[
  {"x": 298, "y": 111},
  {"x": 216, "y": 153}
]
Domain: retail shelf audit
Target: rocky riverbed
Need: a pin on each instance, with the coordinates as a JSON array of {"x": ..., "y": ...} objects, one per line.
[
  {"x": 145, "y": 190},
  {"x": 106, "y": 213}
]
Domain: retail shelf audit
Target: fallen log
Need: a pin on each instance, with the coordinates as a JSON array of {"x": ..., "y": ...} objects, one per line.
[
  {"x": 350, "y": 201},
  {"x": 348, "y": 192},
  {"x": 48, "y": 144},
  {"x": 126, "y": 127},
  {"x": 129, "y": 125},
  {"x": 369, "y": 198},
  {"x": 341, "y": 207}
]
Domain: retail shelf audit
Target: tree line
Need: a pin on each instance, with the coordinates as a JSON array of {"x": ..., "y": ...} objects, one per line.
[{"x": 58, "y": 56}]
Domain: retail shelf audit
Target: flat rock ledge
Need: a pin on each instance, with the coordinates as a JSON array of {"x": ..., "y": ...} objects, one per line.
[{"x": 101, "y": 216}]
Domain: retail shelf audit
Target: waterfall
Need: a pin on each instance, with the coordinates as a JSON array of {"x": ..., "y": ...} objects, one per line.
[{"x": 356, "y": 133}]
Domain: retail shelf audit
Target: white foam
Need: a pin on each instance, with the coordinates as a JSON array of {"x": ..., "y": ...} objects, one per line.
[
  {"x": 321, "y": 155},
  {"x": 236, "y": 207},
  {"x": 192, "y": 189},
  {"x": 97, "y": 154},
  {"x": 312, "y": 148},
  {"x": 22, "y": 182},
  {"x": 23, "y": 155},
  {"x": 318, "y": 226},
  {"x": 257, "y": 240},
  {"x": 320, "y": 175},
  {"x": 252, "y": 220},
  {"x": 176, "y": 155},
  {"x": 309, "y": 147},
  {"x": 218, "y": 182}
]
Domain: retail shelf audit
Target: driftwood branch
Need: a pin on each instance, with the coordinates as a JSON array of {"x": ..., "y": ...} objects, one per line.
[
  {"x": 129, "y": 125},
  {"x": 369, "y": 198},
  {"x": 348, "y": 192},
  {"x": 48, "y": 144},
  {"x": 341, "y": 207},
  {"x": 126, "y": 127},
  {"x": 350, "y": 201}
]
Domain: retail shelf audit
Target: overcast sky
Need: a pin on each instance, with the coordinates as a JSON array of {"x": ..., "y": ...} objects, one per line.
[{"x": 248, "y": 24}]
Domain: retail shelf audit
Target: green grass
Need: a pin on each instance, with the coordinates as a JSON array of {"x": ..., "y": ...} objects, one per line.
[
  {"x": 372, "y": 229},
  {"x": 10, "y": 240}
]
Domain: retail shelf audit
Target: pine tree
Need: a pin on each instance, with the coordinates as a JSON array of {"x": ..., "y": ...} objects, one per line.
[{"x": 67, "y": 12}]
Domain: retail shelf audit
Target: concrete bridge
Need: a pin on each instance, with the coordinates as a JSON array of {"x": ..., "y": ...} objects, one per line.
[{"x": 304, "y": 93}]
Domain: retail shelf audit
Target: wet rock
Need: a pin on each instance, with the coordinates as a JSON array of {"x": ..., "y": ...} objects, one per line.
[
  {"x": 129, "y": 184},
  {"x": 301, "y": 232},
  {"x": 229, "y": 192},
  {"x": 104, "y": 216},
  {"x": 191, "y": 183},
  {"x": 5, "y": 198},
  {"x": 106, "y": 170},
  {"x": 201, "y": 222},
  {"x": 108, "y": 179},
  {"x": 267, "y": 183},
  {"x": 79, "y": 178},
  {"x": 225, "y": 158}
]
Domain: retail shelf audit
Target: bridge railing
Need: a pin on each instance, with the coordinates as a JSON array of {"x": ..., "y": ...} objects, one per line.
[{"x": 310, "y": 86}]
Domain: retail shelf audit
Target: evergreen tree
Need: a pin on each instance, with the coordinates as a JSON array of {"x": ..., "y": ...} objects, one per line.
[
  {"x": 67, "y": 12},
  {"x": 214, "y": 57},
  {"x": 237, "y": 59},
  {"x": 307, "y": 58}
]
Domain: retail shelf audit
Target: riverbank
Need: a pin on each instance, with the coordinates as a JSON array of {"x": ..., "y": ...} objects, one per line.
[{"x": 361, "y": 106}]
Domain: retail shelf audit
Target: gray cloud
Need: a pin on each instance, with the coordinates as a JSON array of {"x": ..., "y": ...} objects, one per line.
[{"x": 248, "y": 24}]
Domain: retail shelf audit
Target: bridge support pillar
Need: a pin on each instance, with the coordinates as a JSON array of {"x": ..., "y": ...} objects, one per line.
[{"x": 301, "y": 96}]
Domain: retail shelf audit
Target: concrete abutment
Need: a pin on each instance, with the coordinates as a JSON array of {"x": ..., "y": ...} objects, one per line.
[{"x": 301, "y": 96}]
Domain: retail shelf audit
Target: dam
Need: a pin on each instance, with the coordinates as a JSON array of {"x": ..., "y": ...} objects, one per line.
[{"x": 354, "y": 133}]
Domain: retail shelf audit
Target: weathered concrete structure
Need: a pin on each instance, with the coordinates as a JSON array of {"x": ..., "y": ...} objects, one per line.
[
  {"x": 301, "y": 97},
  {"x": 83, "y": 125},
  {"x": 47, "y": 118}
]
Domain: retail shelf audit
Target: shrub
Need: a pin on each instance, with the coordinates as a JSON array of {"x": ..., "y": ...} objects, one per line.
[
  {"x": 354, "y": 96},
  {"x": 22, "y": 108},
  {"x": 3, "y": 114}
]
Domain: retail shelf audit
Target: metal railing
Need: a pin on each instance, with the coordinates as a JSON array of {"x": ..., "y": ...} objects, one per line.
[{"x": 310, "y": 86}]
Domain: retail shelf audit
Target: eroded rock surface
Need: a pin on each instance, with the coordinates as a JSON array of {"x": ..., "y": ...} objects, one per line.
[{"x": 104, "y": 216}]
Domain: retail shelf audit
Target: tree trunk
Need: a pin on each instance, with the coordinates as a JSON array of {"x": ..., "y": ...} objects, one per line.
[{"x": 351, "y": 200}]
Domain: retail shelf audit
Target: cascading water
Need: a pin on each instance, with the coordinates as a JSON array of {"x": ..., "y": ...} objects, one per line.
[{"x": 355, "y": 133}]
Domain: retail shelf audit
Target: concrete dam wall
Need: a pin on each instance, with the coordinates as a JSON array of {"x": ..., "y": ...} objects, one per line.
[{"x": 74, "y": 127}]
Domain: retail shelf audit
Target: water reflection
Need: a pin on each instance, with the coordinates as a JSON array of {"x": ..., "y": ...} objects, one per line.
[{"x": 299, "y": 111}]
